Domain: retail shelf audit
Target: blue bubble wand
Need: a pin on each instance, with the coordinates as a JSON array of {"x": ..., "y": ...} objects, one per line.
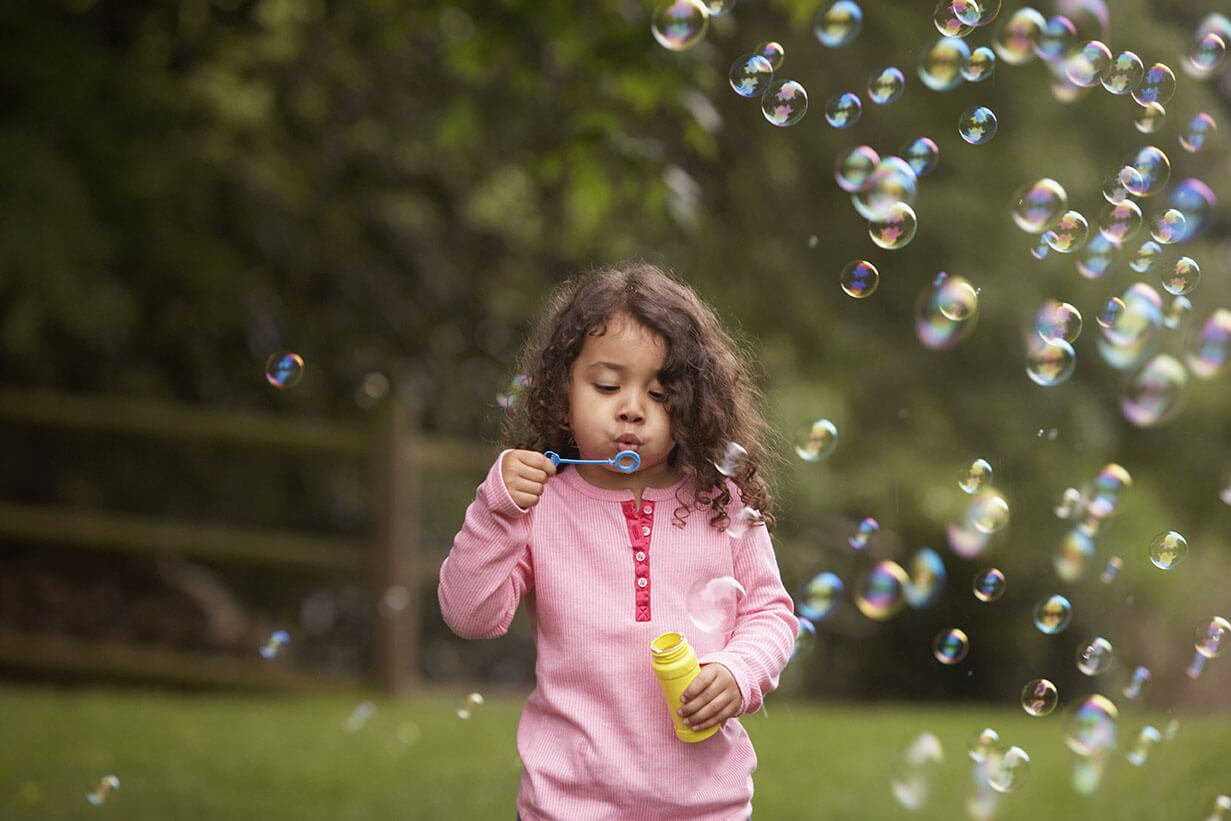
[{"x": 626, "y": 461}]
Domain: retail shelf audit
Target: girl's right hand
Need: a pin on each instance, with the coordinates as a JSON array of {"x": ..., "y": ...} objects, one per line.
[{"x": 525, "y": 472}]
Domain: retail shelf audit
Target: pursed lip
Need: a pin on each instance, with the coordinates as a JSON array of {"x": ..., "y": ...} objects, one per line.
[{"x": 628, "y": 442}]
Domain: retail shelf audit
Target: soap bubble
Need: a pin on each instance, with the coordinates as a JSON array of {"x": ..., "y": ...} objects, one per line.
[
  {"x": 1110, "y": 312},
  {"x": 784, "y": 103},
  {"x": 955, "y": 18},
  {"x": 1113, "y": 567},
  {"x": 853, "y": 169},
  {"x": 1148, "y": 737},
  {"x": 467, "y": 709},
  {"x": 1182, "y": 278},
  {"x": 284, "y": 369},
  {"x": 1151, "y": 118},
  {"x": 1050, "y": 362},
  {"x": 1212, "y": 637},
  {"x": 988, "y": 512},
  {"x": 1167, "y": 226},
  {"x": 743, "y": 519},
  {"x": 1087, "y": 66},
  {"x": 817, "y": 441},
  {"x": 1091, "y": 726},
  {"x": 859, "y": 278},
  {"x": 1057, "y": 320},
  {"x": 1156, "y": 86},
  {"x": 1075, "y": 551},
  {"x": 1016, "y": 38},
  {"x": 771, "y": 51},
  {"x": 1209, "y": 350},
  {"x": 733, "y": 458},
  {"x": 1095, "y": 657},
  {"x": 1145, "y": 257},
  {"x": 679, "y": 25},
  {"x": 927, "y": 579},
  {"x": 957, "y": 299},
  {"x": 820, "y": 597},
  {"x": 950, "y": 646},
  {"x": 989, "y": 585},
  {"x": 1155, "y": 393},
  {"x": 514, "y": 392},
  {"x": 1121, "y": 220},
  {"x": 273, "y": 646},
  {"x": 891, "y": 182},
  {"x": 1152, "y": 164},
  {"x": 843, "y": 110},
  {"x": 1039, "y": 205},
  {"x": 1207, "y": 54},
  {"x": 868, "y": 528},
  {"x": 1053, "y": 614},
  {"x": 941, "y": 63},
  {"x": 105, "y": 785},
  {"x": 914, "y": 775},
  {"x": 1108, "y": 490},
  {"x": 977, "y": 125},
  {"x": 1137, "y": 685},
  {"x": 1039, "y": 697},
  {"x": 886, "y": 85},
  {"x": 1056, "y": 40},
  {"x": 838, "y": 23},
  {"x": 1119, "y": 186},
  {"x": 881, "y": 596},
  {"x": 1067, "y": 234},
  {"x": 921, "y": 154},
  {"x": 1196, "y": 201},
  {"x": 361, "y": 713},
  {"x": 1124, "y": 74},
  {"x": 974, "y": 476},
  {"x": 983, "y": 744},
  {"x": 895, "y": 229},
  {"x": 751, "y": 75},
  {"x": 713, "y": 604},
  {"x": 805, "y": 638},
  {"x": 1198, "y": 133},
  {"x": 1179, "y": 308},
  {"x": 937, "y": 310},
  {"x": 965, "y": 541},
  {"x": 980, "y": 65},
  {"x": 1067, "y": 506},
  {"x": 1011, "y": 770}
]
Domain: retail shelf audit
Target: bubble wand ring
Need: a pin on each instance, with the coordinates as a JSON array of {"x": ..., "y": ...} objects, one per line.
[{"x": 626, "y": 461}]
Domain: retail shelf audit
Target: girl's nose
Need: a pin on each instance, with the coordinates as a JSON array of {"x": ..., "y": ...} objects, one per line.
[{"x": 631, "y": 411}]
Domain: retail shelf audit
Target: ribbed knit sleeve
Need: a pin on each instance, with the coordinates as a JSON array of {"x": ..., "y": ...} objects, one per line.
[
  {"x": 764, "y": 635},
  {"x": 489, "y": 567}
]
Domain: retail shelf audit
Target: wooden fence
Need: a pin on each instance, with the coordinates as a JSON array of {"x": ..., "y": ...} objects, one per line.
[{"x": 390, "y": 560}]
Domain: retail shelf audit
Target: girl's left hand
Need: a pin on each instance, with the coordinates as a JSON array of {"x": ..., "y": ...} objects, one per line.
[{"x": 711, "y": 698}]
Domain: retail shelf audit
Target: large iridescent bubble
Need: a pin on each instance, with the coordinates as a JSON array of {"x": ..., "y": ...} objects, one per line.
[
  {"x": 892, "y": 181},
  {"x": 941, "y": 63},
  {"x": 1133, "y": 334},
  {"x": 1039, "y": 204},
  {"x": 1154, "y": 393}
]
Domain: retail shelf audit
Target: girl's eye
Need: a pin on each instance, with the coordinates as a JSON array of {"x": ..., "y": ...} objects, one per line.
[
  {"x": 606, "y": 388},
  {"x": 658, "y": 396}
]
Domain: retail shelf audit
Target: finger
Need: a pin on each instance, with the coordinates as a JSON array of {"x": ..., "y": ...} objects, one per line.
[{"x": 698, "y": 685}]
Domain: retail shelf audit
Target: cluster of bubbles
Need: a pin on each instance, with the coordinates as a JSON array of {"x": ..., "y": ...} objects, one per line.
[
  {"x": 284, "y": 369},
  {"x": 274, "y": 644},
  {"x": 105, "y": 785}
]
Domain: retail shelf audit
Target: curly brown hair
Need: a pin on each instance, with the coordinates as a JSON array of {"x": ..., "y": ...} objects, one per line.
[{"x": 712, "y": 398}]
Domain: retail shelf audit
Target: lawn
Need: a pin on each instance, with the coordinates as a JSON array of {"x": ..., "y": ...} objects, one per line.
[{"x": 211, "y": 756}]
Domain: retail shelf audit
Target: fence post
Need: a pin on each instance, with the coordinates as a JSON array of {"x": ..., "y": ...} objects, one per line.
[{"x": 397, "y": 548}]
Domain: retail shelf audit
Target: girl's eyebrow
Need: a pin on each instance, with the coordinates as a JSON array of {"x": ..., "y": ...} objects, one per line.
[{"x": 610, "y": 366}]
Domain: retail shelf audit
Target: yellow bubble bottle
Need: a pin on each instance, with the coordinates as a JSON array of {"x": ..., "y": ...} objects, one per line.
[{"x": 675, "y": 664}]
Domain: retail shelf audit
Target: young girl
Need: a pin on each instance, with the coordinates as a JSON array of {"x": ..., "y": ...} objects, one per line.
[{"x": 627, "y": 359}]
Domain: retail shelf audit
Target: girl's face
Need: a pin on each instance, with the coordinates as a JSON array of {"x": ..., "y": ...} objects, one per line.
[{"x": 617, "y": 403}]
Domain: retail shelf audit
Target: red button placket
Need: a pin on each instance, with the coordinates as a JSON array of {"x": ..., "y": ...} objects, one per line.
[{"x": 640, "y": 526}]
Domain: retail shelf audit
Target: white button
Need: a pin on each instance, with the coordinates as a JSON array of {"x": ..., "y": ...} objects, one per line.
[
  {"x": 645, "y": 530},
  {"x": 642, "y": 582},
  {"x": 648, "y": 508},
  {"x": 641, "y": 555}
]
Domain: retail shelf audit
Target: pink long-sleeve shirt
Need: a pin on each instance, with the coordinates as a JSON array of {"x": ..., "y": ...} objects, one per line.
[{"x": 601, "y": 578}]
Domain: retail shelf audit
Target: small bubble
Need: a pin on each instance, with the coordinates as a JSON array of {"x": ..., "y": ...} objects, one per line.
[
  {"x": 921, "y": 154},
  {"x": 1167, "y": 227},
  {"x": 843, "y": 110},
  {"x": 771, "y": 51},
  {"x": 1150, "y": 118},
  {"x": 1091, "y": 726},
  {"x": 927, "y": 579},
  {"x": 1198, "y": 134},
  {"x": 1137, "y": 685},
  {"x": 886, "y": 85},
  {"x": 989, "y": 585},
  {"x": 1095, "y": 657},
  {"x": 895, "y": 229},
  {"x": 784, "y": 103},
  {"x": 1011, "y": 771},
  {"x": 513, "y": 393},
  {"x": 466, "y": 710},
  {"x": 1053, "y": 614},
  {"x": 1113, "y": 567},
  {"x": 820, "y": 597},
  {"x": 974, "y": 476},
  {"x": 1168, "y": 549},
  {"x": 1124, "y": 74},
  {"x": 733, "y": 458},
  {"x": 977, "y": 125},
  {"x": 805, "y": 639},
  {"x": 1057, "y": 320},
  {"x": 1050, "y": 362},
  {"x": 1038, "y": 205},
  {"x": 1212, "y": 637},
  {"x": 950, "y": 646},
  {"x": 1207, "y": 53},
  {"x": 679, "y": 25},
  {"x": 838, "y": 23},
  {"x": 105, "y": 785},
  {"x": 359, "y": 716},
  {"x": 859, "y": 279},
  {"x": 1068, "y": 504},
  {"x": 1039, "y": 697},
  {"x": 882, "y": 594},
  {"x": 273, "y": 646},
  {"x": 284, "y": 369},
  {"x": 1088, "y": 66},
  {"x": 915, "y": 774},
  {"x": 868, "y": 528},
  {"x": 751, "y": 75},
  {"x": 1146, "y": 739},
  {"x": 817, "y": 441},
  {"x": 1156, "y": 86},
  {"x": 980, "y": 65},
  {"x": 714, "y": 604},
  {"x": 853, "y": 169},
  {"x": 1182, "y": 278},
  {"x": 1067, "y": 234},
  {"x": 988, "y": 511}
]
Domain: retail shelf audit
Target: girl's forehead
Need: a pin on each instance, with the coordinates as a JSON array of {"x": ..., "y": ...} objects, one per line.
[{"x": 622, "y": 338}]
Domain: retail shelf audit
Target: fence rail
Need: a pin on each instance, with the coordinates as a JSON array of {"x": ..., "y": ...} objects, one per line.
[{"x": 396, "y": 453}]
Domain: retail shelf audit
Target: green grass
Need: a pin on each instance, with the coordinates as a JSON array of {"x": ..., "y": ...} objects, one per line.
[{"x": 211, "y": 756}]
